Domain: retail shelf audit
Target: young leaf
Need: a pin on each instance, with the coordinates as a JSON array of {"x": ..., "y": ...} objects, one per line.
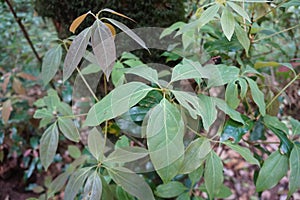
[
  {"x": 242, "y": 38},
  {"x": 213, "y": 174},
  {"x": 171, "y": 189},
  {"x": 128, "y": 31},
  {"x": 239, "y": 10},
  {"x": 244, "y": 152},
  {"x": 117, "y": 102},
  {"x": 165, "y": 131},
  {"x": 194, "y": 155},
  {"x": 96, "y": 144},
  {"x": 257, "y": 95},
  {"x": 294, "y": 183},
  {"x": 274, "y": 168},
  {"x": 208, "y": 15},
  {"x": 126, "y": 154},
  {"x": 111, "y": 28},
  {"x": 76, "y": 52},
  {"x": 144, "y": 72},
  {"x": 231, "y": 95},
  {"x": 189, "y": 69},
  {"x": 103, "y": 47},
  {"x": 93, "y": 187},
  {"x": 48, "y": 145},
  {"x": 76, "y": 182},
  {"x": 77, "y": 22},
  {"x": 171, "y": 29},
  {"x": 68, "y": 128},
  {"x": 51, "y": 62},
  {"x": 131, "y": 182},
  {"x": 227, "y": 23}
]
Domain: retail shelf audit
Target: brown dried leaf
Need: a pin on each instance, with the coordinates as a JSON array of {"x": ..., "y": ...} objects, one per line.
[
  {"x": 6, "y": 110},
  {"x": 5, "y": 82},
  {"x": 77, "y": 22},
  {"x": 26, "y": 76},
  {"x": 17, "y": 86}
]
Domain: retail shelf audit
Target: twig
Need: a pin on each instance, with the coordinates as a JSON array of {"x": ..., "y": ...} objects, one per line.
[{"x": 25, "y": 33}]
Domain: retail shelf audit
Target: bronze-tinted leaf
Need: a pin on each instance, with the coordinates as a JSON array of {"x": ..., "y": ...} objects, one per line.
[
  {"x": 6, "y": 110},
  {"x": 116, "y": 13},
  {"x": 77, "y": 22},
  {"x": 18, "y": 87}
]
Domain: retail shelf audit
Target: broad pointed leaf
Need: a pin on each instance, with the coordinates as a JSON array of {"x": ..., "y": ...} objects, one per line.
[
  {"x": 221, "y": 74},
  {"x": 257, "y": 96},
  {"x": 51, "y": 62},
  {"x": 295, "y": 126},
  {"x": 76, "y": 182},
  {"x": 144, "y": 72},
  {"x": 227, "y": 23},
  {"x": 213, "y": 174},
  {"x": 103, "y": 47},
  {"x": 48, "y": 145},
  {"x": 243, "y": 87},
  {"x": 96, "y": 144},
  {"x": 165, "y": 131},
  {"x": 207, "y": 110},
  {"x": 76, "y": 52},
  {"x": 131, "y": 182},
  {"x": 244, "y": 152},
  {"x": 117, "y": 102},
  {"x": 195, "y": 154},
  {"x": 93, "y": 187},
  {"x": 77, "y": 22},
  {"x": 115, "y": 13},
  {"x": 239, "y": 10},
  {"x": 274, "y": 168},
  {"x": 242, "y": 37},
  {"x": 189, "y": 101},
  {"x": 126, "y": 154},
  {"x": 171, "y": 189},
  {"x": 58, "y": 183},
  {"x": 231, "y": 95},
  {"x": 189, "y": 69},
  {"x": 68, "y": 128},
  {"x": 294, "y": 183}
]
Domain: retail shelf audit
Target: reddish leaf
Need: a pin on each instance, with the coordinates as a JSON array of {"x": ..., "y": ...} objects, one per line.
[{"x": 6, "y": 111}]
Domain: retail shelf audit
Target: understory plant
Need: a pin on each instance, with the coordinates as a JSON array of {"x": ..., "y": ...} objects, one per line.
[{"x": 149, "y": 136}]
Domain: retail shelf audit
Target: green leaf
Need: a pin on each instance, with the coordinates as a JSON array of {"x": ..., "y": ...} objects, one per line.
[
  {"x": 58, "y": 183},
  {"x": 233, "y": 114},
  {"x": 65, "y": 109},
  {"x": 243, "y": 87},
  {"x": 91, "y": 69},
  {"x": 43, "y": 113},
  {"x": 227, "y": 23},
  {"x": 184, "y": 196},
  {"x": 171, "y": 189},
  {"x": 126, "y": 154},
  {"x": 164, "y": 132},
  {"x": 171, "y": 29},
  {"x": 274, "y": 168},
  {"x": 224, "y": 192},
  {"x": 122, "y": 194},
  {"x": 52, "y": 100},
  {"x": 128, "y": 31},
  {"x": 144, "y": 72},
  {"x": 93, "y": 187},
  {"x": 208, "y": 15},
  {"x": 74, "y": 151},
  {"x": 96, "y": 144},
  {"x": 189, "y": 101},
  {"x": 76, "y": 52},
  {"x": 117, "y": 102},
  {"x": 213, "y": 174},
  {"x": 242, "y": 37},
  {"x": 231, "y": 95},
  {"x": 295, "y": 126},
  {"x": 68, "y": 128},
  {"x": 233, "y": 131},
  {"x": 207, "y": 110},
  {"x": 239, "y": 10},
  {"x": 244, "y": 152},
  {"x": 103, "y": 47},
  {"x": 117, "y": 75},
  {"x": 188, "y": 70},
  {"x": 48, "y": 145},
  {"x": 280, "y": 130},
  {"x": 76, "y": 182},
  {"x": 294, "y": 183},
  {"x": 196, "y": 175},
  {"x": 131, "y": 182},
  {"x": 51, "y": 62},
  {"x": 257, "y": 96},
  {"x": 221, "y": 74},
  {"x": 194, "y": 155}
]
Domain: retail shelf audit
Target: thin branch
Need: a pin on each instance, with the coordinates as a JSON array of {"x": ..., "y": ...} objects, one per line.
[{"x": 25, "y": 33}]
